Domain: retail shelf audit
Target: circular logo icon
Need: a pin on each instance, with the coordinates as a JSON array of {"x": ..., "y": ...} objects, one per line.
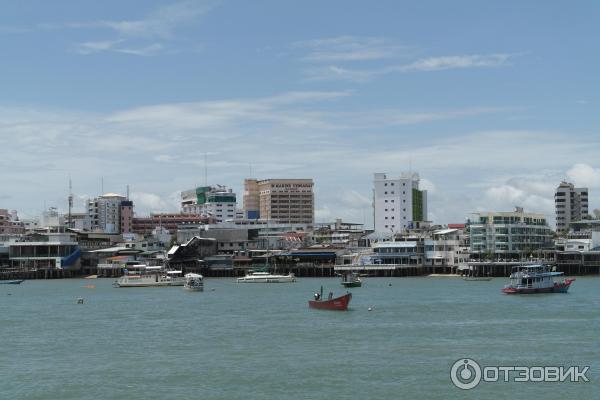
[{"x": 465, "y": 374}]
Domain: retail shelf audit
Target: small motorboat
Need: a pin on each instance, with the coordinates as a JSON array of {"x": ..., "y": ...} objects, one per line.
[
  {"x": 194, "y": 282},
  {"x": 331, "y": 303},
  {"x": 351, "y": 279},
  {"x": 12, "y": 282},
  {"x": 477, "y": 278}
]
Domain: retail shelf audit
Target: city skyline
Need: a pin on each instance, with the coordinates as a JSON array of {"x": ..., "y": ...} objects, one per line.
[{"x": 490, "y": 117}]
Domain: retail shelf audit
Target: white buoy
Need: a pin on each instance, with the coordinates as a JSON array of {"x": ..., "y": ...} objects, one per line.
[{"x": 370, "y": 309}]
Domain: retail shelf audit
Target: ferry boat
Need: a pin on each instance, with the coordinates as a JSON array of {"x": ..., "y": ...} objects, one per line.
[
  {"x": 336, "y": 304},
  {"x": 142, "y": 275},
  {"x": 194, "y": 282},
  {"x": 351, "y": 279},
  {"x": 266, "y": 277},
  {"x": 535, "y": 279}
]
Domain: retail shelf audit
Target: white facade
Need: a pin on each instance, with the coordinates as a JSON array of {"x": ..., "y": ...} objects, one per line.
[
  {"x": 105, "y": 213},
  {"x": 396, "y": 204}
]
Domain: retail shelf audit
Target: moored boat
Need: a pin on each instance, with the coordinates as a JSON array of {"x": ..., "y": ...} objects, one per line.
[
  {"x": 12, "y": 282},
  {"x": 142, "y": 275},
  {"x": 477, "y": 278},
  {"x": 331, "y": 303},
  {"x": 351, "y": 279},
  {"x": 266, "y": 277},
  {"x": 532, "y": 279},
  {"x": 194, "y": 282}
]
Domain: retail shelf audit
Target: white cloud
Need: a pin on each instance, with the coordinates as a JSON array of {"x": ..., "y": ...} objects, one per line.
[
  {"x": 146, "y": 203},
  {"x": 454, "y": 62},
  {"x": 139, "y": 36},
  {"x": 336, "y": 72},
  {"x": 584, "y": 175},
  {"x": 349, "y": 48}
]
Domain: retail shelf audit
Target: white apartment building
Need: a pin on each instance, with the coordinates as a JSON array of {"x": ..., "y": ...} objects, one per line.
[
  {"x": 397, "y": 202},
  {"x": 110, "y": 213},
  {"x": 571, "y": 205}
]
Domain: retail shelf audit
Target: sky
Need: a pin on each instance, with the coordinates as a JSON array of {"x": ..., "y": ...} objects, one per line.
[{"x": 493, "y": 103}]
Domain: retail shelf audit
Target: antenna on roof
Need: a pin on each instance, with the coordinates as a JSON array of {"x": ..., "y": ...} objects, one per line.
[
  {"x": 70, "y": 201},
  {"x": 101, "y": 186},
  {"x": 205, "y": 169},
  {"x": 128, "y": 192}
]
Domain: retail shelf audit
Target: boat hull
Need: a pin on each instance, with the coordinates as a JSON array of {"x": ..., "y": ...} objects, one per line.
[
  {"x": 559, "y": 287},
  {"x": 351, "y": 284},
  {"x": 336, "y": 304},
  {"x": 12, "y": 282},
  {"x": 281, "y": 279}
]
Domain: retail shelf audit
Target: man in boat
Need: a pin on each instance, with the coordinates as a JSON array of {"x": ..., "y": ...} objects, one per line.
[{"x": 317, "y": 296}]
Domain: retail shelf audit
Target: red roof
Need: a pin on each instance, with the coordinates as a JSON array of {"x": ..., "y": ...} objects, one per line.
[{"x": 456, "y": 226}]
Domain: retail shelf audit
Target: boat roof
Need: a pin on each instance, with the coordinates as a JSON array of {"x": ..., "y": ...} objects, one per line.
[
  {"x": 192, "y": 275},
  {"x": 174, "y": 272}
]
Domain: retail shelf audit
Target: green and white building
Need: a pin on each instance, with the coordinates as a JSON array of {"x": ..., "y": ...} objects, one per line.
[
  {"x": 398, "y": 203},
  {"x": 218, "y": 202}
]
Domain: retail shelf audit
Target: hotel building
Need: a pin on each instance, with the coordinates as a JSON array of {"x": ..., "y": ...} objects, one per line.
[{"x": 398, "y": 203}]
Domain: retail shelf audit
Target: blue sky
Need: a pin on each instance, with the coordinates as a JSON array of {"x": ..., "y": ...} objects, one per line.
[{"x": 493, "y": 103}]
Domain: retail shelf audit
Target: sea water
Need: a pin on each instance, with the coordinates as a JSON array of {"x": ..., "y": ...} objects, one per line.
[{"x": 261, "y": 341}]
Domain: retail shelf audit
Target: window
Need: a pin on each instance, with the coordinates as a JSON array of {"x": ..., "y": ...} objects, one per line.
[
  {"x": 386, "y": 201},
  {"x": 385, "y": 184},
  {"x": 385, "y": 193},
  {"x": 386, "y": 209},
  {"x": 386, "y": 226},
  {"x": 392, "y": 183}
]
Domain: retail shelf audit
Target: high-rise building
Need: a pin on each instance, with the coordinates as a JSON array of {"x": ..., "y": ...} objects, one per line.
[
  {"x": 110, "y": 213},
  {"x": 251, "y": 199},
  {"x": 217, "y": 202},
  {"x": 281, "y": 200},
  {"x": 571, "y": 205},
  {"x": 398, "y": 203}
]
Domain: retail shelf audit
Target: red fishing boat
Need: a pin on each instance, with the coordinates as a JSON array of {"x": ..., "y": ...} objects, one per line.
[
  {"x": 535, "y": 279},
  {"x": 331, "y": 303}
]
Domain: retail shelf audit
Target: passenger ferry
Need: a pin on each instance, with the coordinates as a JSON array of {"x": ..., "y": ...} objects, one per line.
[
  {"x": 535, "y": 279},
  {"x": 141, "y": 275}
]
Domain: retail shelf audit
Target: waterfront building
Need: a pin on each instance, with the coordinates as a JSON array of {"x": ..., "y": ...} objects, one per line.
[
  {"x": 571, "y": 205},
  {"x": 169, "y": 221},
  {"x": 10, "y": 224},
  {"x": 288, "y": 201},
  {"x": 509, "y": 236},
  {"x": 218, "y": 202},
  {"x": 110, "y": 213},
  {"x": 398, "y": 203},
  {"x": 337, "y": 233},
  {"x": 50, "y": 251},
  {"x": 447, "y": 248}
]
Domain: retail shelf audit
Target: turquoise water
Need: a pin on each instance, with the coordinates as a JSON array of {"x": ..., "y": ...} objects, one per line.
[{"x": 257, "y": 341}]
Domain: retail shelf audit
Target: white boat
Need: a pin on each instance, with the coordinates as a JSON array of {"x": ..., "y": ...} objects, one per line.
[
  {"x": 266, "y": 277},
  {"x": 194, "y": 282},
  {"x": 142, "y": 275}
]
